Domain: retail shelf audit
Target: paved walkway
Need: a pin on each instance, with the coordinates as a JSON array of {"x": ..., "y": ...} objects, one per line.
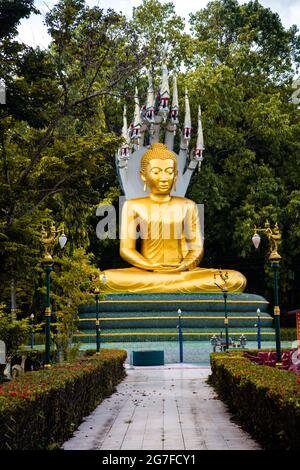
[{"x": 161, "y": 408}]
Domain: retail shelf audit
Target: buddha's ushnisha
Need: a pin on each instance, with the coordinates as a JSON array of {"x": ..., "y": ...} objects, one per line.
[{"x": 171, "y": 241}]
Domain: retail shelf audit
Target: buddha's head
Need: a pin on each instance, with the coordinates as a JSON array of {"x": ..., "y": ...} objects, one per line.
[{"x": 159, "y": 169}]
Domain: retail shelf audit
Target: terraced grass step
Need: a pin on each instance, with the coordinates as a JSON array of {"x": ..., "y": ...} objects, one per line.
[
  {"x": 171, "y": 321},
  {"x": 213, "y": 302},
  {"x": 170, "y": 314},
  {"x": 166, "y": 334},
  {"x": 151, "y": 317}
]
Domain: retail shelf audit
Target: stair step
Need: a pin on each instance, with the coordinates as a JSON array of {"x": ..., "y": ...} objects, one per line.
[
  {"x": 166, "y": 302},
  {"x": 152, "y": 317},
  {"x": 170, "y": 314},
  {"x": 165, "y": 334},
  {"x": 169, "y": 322}
]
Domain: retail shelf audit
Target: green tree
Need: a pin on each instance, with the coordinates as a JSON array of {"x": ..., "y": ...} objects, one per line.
[
  {"x": 13, "y": 333},
  {"x": 64, "y": 108},
  {"x": 11, "y": 13},
  {"x": 244, "y": 63},
  {"x": 159, "y": 29},
  {"x": 72, "y": 284},
  {"x": 57, "y": 154},
  {"x": 248, "y": 37}
]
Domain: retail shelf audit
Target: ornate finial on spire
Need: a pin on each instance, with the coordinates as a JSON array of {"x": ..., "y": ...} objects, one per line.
[
  {"x": 125, "y": 127},
  {"x": 135, "y": 134},
  {"x": 149, "y": 111},
  {"x": 187, "y": 131},
  {"x": 164, "y": 94},
  {"x": 124, "y": 150},
  {"x": 200, "y": 143},
  {"x": 175, "y": 105}
]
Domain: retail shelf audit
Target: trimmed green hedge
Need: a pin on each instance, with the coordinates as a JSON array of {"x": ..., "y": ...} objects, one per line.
[
  {"x": 288, "y": 334},
  {"x": 41, "y": 409},
  {"x": 264, "y": 400}
]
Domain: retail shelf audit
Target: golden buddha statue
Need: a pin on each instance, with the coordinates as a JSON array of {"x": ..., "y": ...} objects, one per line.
[{"x": 171, "y": 241}]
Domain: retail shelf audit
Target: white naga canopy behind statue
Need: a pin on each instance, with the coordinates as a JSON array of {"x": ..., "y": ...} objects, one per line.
[{"x": 153, "y": 116}]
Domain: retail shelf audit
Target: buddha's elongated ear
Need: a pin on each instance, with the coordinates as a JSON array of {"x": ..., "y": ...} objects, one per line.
[
  {"x": 174, "y": 184},
  {"x": 143, "y": 178}
]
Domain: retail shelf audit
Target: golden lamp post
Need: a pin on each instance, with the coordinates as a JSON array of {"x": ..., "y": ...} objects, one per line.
[
  {"x": 97, "y": 297},
  {"x": 224, "y": 277},
  {"x": 49, "y": 242},
  {"x": 274, "y": 237}
]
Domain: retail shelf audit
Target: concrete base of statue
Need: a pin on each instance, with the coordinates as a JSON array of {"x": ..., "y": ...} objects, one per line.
[{"x": 154, "y": 317}]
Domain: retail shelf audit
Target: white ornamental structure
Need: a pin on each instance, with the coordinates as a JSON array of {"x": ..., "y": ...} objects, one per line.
[{"x": 155, "y": 115}]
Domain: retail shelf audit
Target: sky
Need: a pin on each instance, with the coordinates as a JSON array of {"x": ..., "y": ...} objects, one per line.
[{"x": 33, "y": 32}]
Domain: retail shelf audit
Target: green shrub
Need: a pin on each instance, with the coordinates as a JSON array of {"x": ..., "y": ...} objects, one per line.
[
  {"x": 41, "y": 409},
  {"x": 35, "y": 358},
  {"x": 73, "y": 352},
  {"x": 72, "y": 282},
  {"x": 89, "y": 352},
  {"x": 288, "y": 334},
  {"x": 39, "y": 337},
  {"x": 264, "y": 400},
  {"x": 13, "y": 332}
]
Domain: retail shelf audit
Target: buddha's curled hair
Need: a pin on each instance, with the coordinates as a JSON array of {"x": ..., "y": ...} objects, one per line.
[{"x": 160, "y": 151}]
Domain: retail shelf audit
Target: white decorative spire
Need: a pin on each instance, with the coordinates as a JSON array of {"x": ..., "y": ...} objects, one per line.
[
  {"x": 149, "y": 112},
  {"x": 124, "y": 150},
  {"x": 125, "y": 126},
  {"x": 164, "y": 88},
  {"x": 187, "y": 131},
  {"x": 164, "y": 93},
  {"x": 136, "y": 125},
  {"x": 137, "y": 111},
  {"x": 200, "y": 142},
  {"x": 175, "y": 105}
]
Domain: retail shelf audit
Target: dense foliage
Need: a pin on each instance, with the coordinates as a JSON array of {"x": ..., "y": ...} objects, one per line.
[
  {"x": 288, "y": 334},
  {"x": 59, "y": 132},
  {"x": 14, "y": 333},
  {"x": 264, "y": 400},
  {"x": 41, "y": 409},
  {"x": 56, "y": 149},
  {"x": 72, "y": 283},
  {"x": 244, "y": 66}
]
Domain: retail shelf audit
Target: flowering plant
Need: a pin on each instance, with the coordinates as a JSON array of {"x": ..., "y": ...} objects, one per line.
[
  {"x": 51, "y": 403},
  {"x": 265, "y": 400}
]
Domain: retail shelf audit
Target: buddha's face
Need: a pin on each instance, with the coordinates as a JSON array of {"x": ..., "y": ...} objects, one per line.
[{"x": 160, "y": 175}]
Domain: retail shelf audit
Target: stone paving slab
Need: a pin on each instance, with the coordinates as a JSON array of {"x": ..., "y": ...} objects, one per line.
[{"x": 162, "y": 408}]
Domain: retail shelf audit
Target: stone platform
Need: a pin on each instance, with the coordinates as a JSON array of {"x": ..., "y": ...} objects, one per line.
[{"x": 154, "y": 317}]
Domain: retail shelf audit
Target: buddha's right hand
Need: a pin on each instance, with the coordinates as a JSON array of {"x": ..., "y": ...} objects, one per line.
[
  {"x": 149, "y": 267},
  {"x": 158, "y": 267},
  {"x": 154, "y": 267},
  {"x": 167, "y": 268}
]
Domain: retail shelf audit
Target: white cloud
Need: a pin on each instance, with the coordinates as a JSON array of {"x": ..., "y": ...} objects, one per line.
[{"x": 33, "y": 32}]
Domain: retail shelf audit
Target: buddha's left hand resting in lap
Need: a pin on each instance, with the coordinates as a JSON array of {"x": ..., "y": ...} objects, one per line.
[{"x": 171, "y": 242}]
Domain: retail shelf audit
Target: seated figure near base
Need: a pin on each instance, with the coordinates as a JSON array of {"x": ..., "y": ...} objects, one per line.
[{"x": 171, "y": 242}]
